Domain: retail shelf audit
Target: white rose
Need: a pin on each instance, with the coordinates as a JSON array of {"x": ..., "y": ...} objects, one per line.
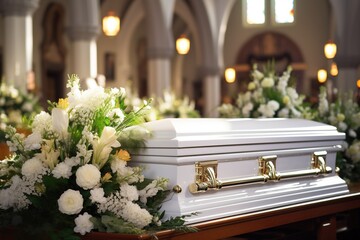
[
  {"x": 97, "y": 195},
  {"x": 354, "y": 151},
  {"x": 88, "y": 176},
  {"x": 62, "y": 170},
  {"x": 267, "y": 82},
  {"x": 70, "y": 202},
  {"x": 83, "y": 224},
  {"x": 257, "y": 74},
  {"x": 32, "y": 167}
]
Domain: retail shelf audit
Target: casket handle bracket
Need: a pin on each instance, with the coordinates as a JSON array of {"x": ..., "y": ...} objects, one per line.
[
  {"x": 267, "y": 167},
  {"x": 205, "y": 177},
  {"x": 318, "y": 161}
]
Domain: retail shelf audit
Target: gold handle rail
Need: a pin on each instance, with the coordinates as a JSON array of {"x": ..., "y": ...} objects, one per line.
[{"x": 206, "y": 173}]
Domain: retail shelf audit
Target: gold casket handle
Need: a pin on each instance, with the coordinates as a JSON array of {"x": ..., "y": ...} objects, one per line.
[{"x": 206, "y": 173}]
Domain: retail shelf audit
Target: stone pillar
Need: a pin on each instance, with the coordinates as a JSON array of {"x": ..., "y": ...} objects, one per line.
[
  {"x": 212, "y": 92},
  {"x": 83, "y": 29},
  {"x": 160, "y": 45},
  {"x": 346, "y": 80},
  {"x": 159, "y": 76},
  {"x": 18, "y": 40},
  {"x": 347, "y": 37}
]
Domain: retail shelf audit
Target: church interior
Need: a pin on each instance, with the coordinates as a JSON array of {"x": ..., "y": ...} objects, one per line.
[
  {"x": 47, "y": 40},
  {"x": 207, "y": 52}
]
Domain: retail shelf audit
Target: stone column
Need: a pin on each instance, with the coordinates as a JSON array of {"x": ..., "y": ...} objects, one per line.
[
  {"x": 160, "y": 45},
  {"x": 159, "y": 75},
  {"x": 18, "y": 40},
  {"x": 83, "y": 29},
  {"x": 347, "y": 37},
  {"x": 212, "y": 91}
]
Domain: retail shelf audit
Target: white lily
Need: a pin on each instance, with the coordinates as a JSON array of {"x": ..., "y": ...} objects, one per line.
[
  {"x": 103, "y": 146},
  {"x": 49, "y": 155},
  {"x": 60, "y": 121}
]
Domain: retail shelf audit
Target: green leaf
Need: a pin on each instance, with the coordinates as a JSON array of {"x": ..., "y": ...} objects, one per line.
[
  {"x": 156, "y": 201},
  {"x": 143, "y": 184},
  {"x": 115, "y": 224},
  {"x": 54, "y": 184},
  {"x": 37, "y": 201},
  {"x": 110, "y": 187}
]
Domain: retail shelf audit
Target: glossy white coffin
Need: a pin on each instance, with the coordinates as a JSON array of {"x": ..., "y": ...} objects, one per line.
[{"x": 180, "y": 148}]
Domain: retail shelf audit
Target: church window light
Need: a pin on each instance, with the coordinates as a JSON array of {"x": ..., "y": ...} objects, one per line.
[
  {"x": 259, "y": 12},
  {"x": 283, "y": 11},
  {"x": 255, "y": 11}
]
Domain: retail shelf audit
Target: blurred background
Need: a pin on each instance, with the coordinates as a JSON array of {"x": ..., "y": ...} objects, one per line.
[{"x": 136, "y": 44}]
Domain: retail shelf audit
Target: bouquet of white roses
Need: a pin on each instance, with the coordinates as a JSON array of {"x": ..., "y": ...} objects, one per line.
[
  {"x": 268, "y": 96},
  {"x": 15, "y": 107},
  {"x": 70, "y": 175},
  {"x": 343, "y": 113}
]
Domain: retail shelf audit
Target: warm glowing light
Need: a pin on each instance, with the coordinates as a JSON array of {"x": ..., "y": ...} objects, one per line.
[
  {"x": 358, "y": 83},
  {"x": 334, "y": 69},
  {"x": 330, "y": 50},
  {"x": 230, "y": 75},
  {"x": 322, "y": 75},
  {"x": 182, "y": 45},
  {"x": 30, "y": 80},
  {"x": 111, "y": 24}
]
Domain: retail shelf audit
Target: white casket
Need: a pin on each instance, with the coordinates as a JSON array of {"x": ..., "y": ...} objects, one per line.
[{"x": 225, "y": 167}]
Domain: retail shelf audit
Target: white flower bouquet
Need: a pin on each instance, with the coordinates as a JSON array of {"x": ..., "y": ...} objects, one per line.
[
  {"x": 168, "y": 106},
  {"x": 268, "y": 96},
  {"x": 343, "y": 113},
  {"x": 71, "y": 176},
  {"x": 171, "y": 106},
  {"x": 15, "y": 107}
]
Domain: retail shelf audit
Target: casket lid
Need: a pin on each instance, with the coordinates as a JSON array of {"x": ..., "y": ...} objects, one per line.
[{"x": 203, "y": 132}]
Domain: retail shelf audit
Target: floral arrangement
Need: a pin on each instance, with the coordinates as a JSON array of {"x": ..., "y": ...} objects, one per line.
[
  {"x": 71, "y": 176},
  {"x": 171, "y": 106},
  {"x": 15, "y": 107},
  {"x": 343, "y": 113},
  {"x": 269, "y": 95}
]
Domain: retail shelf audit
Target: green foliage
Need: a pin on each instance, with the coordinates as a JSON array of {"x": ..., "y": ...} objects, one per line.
[
  {"x": 109, "y": 223},
  {"x": 178, "y": 224}
]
